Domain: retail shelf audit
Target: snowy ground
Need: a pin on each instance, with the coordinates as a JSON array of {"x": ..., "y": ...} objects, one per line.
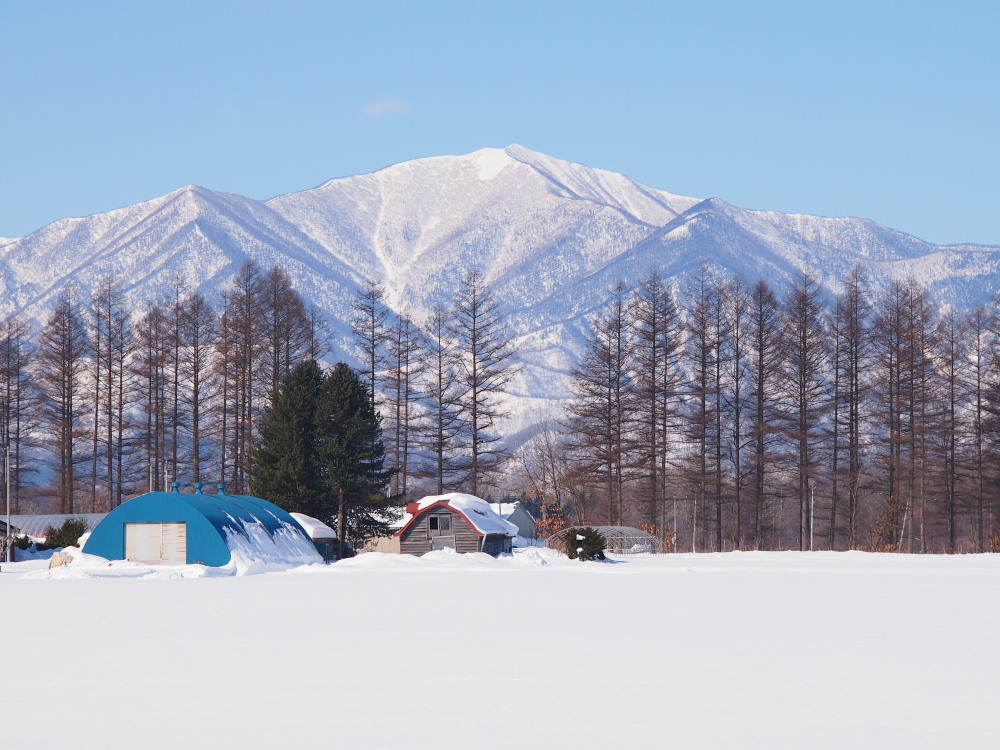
[{"x": 751, "y": 650}]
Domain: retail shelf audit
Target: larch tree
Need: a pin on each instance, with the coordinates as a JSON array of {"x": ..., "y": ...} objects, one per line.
[
  {"x": 807, "y": 392},
  {"x": 200, "y": 325},
  {"x": 241, "y": 371},
  {"x": 765, "y": 365},
  {"x": 407, "y": 364},
  {"x": 889, "y": 353},
  {"x": 603, "y": 412},
  {"x": 702, "y": 351},
  {"x": 113, "y": 342},
  {"x": 984, "y": 419},
  {"x": 444, "y": 403},
  {"x": 952, "y": 357},
  {"x": 288, "y": 334},
  {"x": 18, "y": 420},
  {"x": 63, "y": 349},
  {"x": 149, "y": 370},
  {"x": 485, "y": 352},
  {"x": 369, "y": 325},
  {"x": 850, "y": 331},
  {"x": 656, "y": 347},
  {"x": 737, "y": 299}
]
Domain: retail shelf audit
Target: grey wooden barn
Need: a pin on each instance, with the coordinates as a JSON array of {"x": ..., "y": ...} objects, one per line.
[{"x": 457, "y": 521}]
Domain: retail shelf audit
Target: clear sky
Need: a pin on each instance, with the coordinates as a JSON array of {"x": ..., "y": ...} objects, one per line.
[{"x": 885, "y": 110}]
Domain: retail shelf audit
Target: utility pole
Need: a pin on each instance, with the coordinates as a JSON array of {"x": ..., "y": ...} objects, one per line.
[
  {"x": 812, "y": 514},
  {"x": 8, "y": 547}
]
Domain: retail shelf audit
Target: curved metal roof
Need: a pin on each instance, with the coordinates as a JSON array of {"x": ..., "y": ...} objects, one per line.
[
  {"x": 35, "y": 525},
  {"x": 620, "y": 540},
  {"x": 214, "y": 523}
]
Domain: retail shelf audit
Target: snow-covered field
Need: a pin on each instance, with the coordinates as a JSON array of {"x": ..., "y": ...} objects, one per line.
[{"x": 741, "y": 650}]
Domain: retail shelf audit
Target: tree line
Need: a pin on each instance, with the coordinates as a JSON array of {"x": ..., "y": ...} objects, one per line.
[
  {"x": 726, "y": 416},
  {"x": 106, "y": 401},
  {"x": 721, "y": 415}
]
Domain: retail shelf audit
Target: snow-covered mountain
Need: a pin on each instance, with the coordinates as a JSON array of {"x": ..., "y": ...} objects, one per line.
[{"x": 551, "y": 237}]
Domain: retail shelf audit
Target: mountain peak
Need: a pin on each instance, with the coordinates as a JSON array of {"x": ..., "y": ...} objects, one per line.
[{"x": 552, "y": 236}]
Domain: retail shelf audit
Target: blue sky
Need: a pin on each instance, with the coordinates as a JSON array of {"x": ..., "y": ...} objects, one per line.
[{"x": 884, "y": 110}]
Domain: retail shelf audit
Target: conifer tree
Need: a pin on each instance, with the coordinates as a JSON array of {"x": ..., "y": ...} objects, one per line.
[
  {"x": 352, "y": 458},
  {"x": 284, "y": 462}
]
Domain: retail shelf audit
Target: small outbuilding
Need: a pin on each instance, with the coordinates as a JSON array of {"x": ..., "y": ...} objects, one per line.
[
  {"x": 174, "y": 528},
  {"x": 464, "y": 523},
  {"x": 518, "y": 515},
  {"x": 322, "y": 535}
]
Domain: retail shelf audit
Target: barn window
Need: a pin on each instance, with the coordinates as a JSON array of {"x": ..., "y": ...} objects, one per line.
[{"x": 439, "y": 523}]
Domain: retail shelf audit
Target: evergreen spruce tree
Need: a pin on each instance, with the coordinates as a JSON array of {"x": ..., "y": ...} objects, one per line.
[
  {"x": 352, "y": 458},
  {"x": 284, "y": 462},
  {"x": 585, "y": 543}
]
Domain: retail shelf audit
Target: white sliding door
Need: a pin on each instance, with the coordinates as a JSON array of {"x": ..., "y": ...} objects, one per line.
[{"x": 156, "y": 543}]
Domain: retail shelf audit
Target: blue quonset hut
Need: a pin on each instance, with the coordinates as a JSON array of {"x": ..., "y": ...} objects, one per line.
[{"x": 171, "y": 528}]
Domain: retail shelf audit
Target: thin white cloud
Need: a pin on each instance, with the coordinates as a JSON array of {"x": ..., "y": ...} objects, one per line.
[{"x": 387, "y": 106}]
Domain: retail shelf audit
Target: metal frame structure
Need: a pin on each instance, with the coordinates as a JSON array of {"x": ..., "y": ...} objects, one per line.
[{"x": 621, "y": 540}]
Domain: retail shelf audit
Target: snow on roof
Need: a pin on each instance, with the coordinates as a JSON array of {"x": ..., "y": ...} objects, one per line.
[
  {"x": 504, "y": 510},
  {"x": 315, "y": 528},
  {"x": 475, "y": 510},
  {"x": 240, "y": 529}
]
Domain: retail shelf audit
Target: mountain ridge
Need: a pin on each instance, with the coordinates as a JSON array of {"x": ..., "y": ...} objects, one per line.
[{"x": 551, "y": 237}]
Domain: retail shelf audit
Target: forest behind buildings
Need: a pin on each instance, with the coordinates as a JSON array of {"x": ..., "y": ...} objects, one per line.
[{"x": 720, "y": 414}]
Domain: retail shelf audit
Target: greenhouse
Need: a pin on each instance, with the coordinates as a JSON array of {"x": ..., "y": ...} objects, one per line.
[{"x": 621, "y": 540}]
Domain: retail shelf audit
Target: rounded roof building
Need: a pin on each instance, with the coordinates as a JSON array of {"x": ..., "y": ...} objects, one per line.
[
  {"x": 171, "y": 528},
  {"x": 619, "y": 540}
]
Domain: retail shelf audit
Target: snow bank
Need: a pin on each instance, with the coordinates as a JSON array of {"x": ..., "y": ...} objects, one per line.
[
  {"x": 83, "y": 566},
  {"x": 447, "y": 559},
  {"x": 254, "y": 550},
  {"x": 257, "y": 550}
]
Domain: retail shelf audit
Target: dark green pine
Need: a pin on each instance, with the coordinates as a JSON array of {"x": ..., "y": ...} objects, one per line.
[
  {"x": 352, "y": 457},
  {"x": 284, "y": 464}
]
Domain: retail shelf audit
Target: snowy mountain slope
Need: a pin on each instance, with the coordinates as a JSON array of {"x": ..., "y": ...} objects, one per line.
[
  {"x": 551, "y": 237},
  {"x": 516, "y": 214}
]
